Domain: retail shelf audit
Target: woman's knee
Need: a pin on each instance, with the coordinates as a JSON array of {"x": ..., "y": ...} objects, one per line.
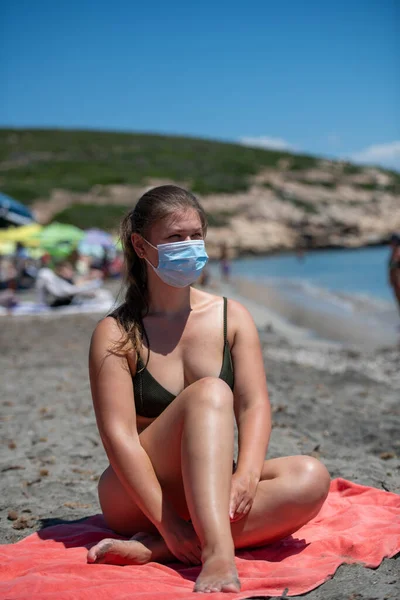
[
  {"x": 212, "y": 392},
  {"x": 313, "y": 479}
]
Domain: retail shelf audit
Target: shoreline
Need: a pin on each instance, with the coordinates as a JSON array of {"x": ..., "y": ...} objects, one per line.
[
  {"x": 313, "y": 321},
  {"x": 307, "y": 249},
  {"x": 308, "y": 322}
]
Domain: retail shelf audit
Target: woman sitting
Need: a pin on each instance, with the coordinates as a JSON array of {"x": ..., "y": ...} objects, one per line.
[{"x": 170, "y": 369}]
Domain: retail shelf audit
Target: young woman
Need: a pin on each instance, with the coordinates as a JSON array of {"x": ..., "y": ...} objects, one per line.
[{"x": 169, "y": 371}]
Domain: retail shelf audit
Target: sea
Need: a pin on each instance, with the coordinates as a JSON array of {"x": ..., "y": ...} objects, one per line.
[{"x": 346, "y": 286}]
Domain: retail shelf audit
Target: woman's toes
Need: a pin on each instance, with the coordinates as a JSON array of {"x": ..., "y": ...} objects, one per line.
[
  {"x": 99, "y": 550},
  {"x": 120, "y": 552}
]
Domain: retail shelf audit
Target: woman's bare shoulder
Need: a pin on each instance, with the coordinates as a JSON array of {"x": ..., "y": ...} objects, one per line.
[
  {"x": 238, "y": 315},
  {"x": 108, "y": 329},
  {"x": 235, "y": 308},
  {"x": 110, "y": 342},
  {"x": 106, "y": 337}
]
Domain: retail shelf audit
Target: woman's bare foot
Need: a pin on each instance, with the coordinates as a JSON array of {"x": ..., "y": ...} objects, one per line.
[
  {"x": 139, "y": 550},
  {"x": 218, "y": 575}
]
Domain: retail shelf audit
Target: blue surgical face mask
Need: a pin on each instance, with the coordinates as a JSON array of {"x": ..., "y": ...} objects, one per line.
[{"x": 180, "y": 263}]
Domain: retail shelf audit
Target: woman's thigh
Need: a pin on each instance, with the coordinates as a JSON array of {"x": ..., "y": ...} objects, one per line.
[
  {"x": 162, "y": 442},
  {"x": 291, "y": 491}
]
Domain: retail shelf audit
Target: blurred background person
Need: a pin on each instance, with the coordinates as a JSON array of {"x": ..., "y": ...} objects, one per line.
[
  {"x": 394, "y": 266},
  {"x": 61, "y": 288},
  {"x": 24, "y": 267},
  {"x": 8, "y": 283},
  {"x": 225, "y": 263}
]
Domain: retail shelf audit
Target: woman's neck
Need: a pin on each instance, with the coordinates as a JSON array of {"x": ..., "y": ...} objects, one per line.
[{"x": 167, "y": 301}]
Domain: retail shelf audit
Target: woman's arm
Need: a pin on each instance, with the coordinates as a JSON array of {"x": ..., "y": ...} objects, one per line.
[
  {"x": 252, "y": 407},
  {"x": 114, "y": 404}
]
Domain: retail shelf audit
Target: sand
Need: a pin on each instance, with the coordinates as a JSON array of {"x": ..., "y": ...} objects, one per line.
[{"x": 336, "y": 402}]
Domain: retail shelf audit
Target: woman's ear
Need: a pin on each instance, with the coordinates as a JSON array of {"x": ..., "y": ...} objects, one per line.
[{"x": 138, "y": 244}]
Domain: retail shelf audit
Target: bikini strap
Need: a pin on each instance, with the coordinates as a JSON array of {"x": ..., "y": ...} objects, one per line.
[{"x": 225, "y": 319}]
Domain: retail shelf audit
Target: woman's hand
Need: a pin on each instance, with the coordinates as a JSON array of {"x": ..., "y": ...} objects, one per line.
[
  {"x": 182, "y": 540},
  {"x": 243, "y": 491}
]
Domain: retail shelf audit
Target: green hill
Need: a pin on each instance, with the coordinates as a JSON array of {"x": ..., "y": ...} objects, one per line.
[{"x": 36, "y": 161}]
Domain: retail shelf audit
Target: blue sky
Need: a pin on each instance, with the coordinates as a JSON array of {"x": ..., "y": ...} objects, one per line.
[{"x": 320, "y": 77}]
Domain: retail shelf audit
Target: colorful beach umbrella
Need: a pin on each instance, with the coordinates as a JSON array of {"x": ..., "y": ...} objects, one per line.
[
  {"x": 24, "y": 234},
  {"x": 56, "y": 233},
  {"x": 7, "y": 248},
  {"x": 95, "y": 242},
  {"x": 98, "y": 237},
  {"x": 59, "y": 239},
  {"x": 13, "y": 212}
]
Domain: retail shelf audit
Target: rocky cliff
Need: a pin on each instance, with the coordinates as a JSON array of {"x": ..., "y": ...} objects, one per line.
[
  {"x": 281, "y": 210},
  {"x": 315, "y": 208}
]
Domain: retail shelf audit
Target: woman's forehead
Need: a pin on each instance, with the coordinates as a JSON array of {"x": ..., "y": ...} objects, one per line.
[{"x": 184, "y": 220}]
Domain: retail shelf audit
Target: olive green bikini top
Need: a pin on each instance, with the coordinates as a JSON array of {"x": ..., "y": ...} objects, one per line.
[{"x": 151, "y": 398}]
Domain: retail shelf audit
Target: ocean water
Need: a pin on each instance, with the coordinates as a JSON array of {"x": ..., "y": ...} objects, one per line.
[
  {"x": 362, "y": 272},
  {"x": 347, "y": 286}
]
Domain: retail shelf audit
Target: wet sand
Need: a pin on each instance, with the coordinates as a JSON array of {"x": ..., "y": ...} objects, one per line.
[
  {"x": 340, "y": 404},
  {"x": 358, "y": 327}
]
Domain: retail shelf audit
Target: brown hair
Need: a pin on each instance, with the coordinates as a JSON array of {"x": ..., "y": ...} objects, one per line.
[{"x": 155, "y": 205}]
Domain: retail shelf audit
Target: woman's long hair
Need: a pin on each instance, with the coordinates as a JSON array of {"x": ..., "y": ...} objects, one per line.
[{"x": 155, "y": 205}]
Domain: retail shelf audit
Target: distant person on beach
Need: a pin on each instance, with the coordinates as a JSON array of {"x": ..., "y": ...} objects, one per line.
[
  {"x": 204, "y": 280},
  {"x": 56, "y": 288},
  {"x": 300, "y": 254},
  {"x": 25, "y": 273},
  {"x": 394, "y": 266},
  {"x": 8, "y": 284},
  {"x": 225, "y": 263},
  {"x": 59, "y": 287},
  {"x": 165, "y": 410},
  {"x": 116, "y": 265}
]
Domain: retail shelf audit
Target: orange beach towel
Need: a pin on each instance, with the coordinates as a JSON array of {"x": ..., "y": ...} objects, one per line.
[{"x": 357, "y": 524}]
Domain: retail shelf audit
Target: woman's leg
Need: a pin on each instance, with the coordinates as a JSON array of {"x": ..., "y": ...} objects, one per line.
[
  {"x": 190, "y": 446},
  {"x": 292, "y": 490}
]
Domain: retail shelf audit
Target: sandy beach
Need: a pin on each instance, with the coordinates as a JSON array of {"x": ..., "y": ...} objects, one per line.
[{"x": 339, "y": 402}]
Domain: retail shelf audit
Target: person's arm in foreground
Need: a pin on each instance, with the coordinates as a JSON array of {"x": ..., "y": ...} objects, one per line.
[
  {"x": 252, "y": 410},
  {"x": 113, "y": 399}
]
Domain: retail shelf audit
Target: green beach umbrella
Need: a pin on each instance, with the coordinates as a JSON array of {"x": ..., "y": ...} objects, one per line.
[
  {"x": 59, "y": 239},
  {"x": 59, "y": 232}
]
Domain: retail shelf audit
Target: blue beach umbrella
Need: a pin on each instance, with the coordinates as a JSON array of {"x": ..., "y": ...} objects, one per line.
[
  {"x": 13, "y": 212},
  {"x": 98, "y": 237},
  {"x": 95, "y": 242}
]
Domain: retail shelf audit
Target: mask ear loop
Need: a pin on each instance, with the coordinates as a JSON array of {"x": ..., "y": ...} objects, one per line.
[
  {"x": 147, "y": 242},
  {"x": 143, "y": 256}
]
